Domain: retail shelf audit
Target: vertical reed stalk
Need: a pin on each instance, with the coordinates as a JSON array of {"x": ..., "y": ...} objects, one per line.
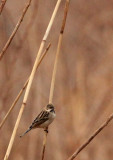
[
  {"x": 55, "y": 67},
  {"x": 44, "y": 145},
  {"x": 30, "y": 81}
]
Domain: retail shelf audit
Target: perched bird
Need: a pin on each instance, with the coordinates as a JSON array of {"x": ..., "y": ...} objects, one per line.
[{"x": 44, "y": 119}]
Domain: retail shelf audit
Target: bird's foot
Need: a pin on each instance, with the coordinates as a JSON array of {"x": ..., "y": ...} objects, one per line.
[{"x": 46, "y": 130}]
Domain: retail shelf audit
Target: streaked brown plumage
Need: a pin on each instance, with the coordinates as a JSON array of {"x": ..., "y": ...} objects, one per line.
[{"x": 44, "y": 119}]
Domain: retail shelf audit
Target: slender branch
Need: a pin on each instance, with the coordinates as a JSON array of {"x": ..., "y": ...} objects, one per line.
[
  {"x": 84, "y": 145},
  {"x": 2, "y": 5},
  {"x": 58, "y": 51},
  {"x": 44, "y": 144},
  {"x": 15, "y": 29},
  {"x": 55, "y": 68},
  {"x": 21, "y": 91},
  {"x": 30, "y": 81}
]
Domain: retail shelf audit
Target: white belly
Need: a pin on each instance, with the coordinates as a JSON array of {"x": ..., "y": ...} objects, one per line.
[{"x": 48, "y": 122}]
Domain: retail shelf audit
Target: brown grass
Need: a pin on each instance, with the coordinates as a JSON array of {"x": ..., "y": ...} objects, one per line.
[
  {"x": 36, "y": 63},
  {"x": 83, "y": 86}
]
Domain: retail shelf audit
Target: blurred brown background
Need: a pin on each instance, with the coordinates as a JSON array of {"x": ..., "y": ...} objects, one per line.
[{"x": 84, "y": 85}]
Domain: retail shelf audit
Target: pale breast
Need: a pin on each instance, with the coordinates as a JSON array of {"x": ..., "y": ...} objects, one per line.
[{"x": 49, "y": 121}]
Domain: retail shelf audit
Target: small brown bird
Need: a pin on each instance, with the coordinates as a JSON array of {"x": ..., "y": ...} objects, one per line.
[{"x": 44, "y": 119}]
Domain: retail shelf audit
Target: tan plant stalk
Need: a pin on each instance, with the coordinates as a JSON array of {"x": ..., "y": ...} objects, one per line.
[
  {"x": 21, "y": 91},
  {"x": 84, "y": 145},
  {"x": 55, "y": 68},
  {"x": 2, "y": 5},
  {"x": 44, "y": 145},
  {"x": 30, "y": 81},
  {"x": 15, "y": 29}
]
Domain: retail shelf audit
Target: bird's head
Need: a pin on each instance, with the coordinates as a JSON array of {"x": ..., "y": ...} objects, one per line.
[{"x": 50, "y": 108}]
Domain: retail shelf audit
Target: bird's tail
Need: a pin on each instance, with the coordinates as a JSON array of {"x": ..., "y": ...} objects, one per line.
[{"x": 25, "y": 132}]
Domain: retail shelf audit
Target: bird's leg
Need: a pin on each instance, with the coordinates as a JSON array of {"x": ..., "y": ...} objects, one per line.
[{"x": 46, "y": 129}]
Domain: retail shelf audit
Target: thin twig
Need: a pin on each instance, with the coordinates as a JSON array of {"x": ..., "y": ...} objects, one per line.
[
  {"x": 58, "y": 51},
  {"x": 2, "y": 5},
  {"x": 55, "y": 68},
  {"x": 30, "y": 81},
  {"x": 21, "y": 91},
  {"x": 44, "y": 144},
  {"x": 84, "y": 145},
  {"x": 15, "y": 29}
]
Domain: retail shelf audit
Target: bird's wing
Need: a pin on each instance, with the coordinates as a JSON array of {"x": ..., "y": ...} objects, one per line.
[{"x": 41, "y": 118}]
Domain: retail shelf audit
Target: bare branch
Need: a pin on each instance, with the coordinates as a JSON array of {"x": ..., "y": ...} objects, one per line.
[
  {"x": 15, "y": 30},
  {"x": 3, "y": 2},
  {"x": 84, "y": 145}
]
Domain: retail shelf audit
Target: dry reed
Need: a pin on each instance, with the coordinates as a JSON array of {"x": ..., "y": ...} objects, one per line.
[
  {"x": 55, "y": 68},
  {"x": 31, "y": 80},
  {"x": 21, "y": 91},
  {"x": 15, "y": 29},
  {"x": 3, "y": 2},
  {"x": 84, "y": 145}
]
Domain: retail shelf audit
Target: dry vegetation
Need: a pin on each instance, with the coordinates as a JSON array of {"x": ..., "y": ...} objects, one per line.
[{"x": 83, "y": 94}]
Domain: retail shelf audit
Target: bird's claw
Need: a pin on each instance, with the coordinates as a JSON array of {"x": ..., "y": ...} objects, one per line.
[{"x": 46, "y": 130}]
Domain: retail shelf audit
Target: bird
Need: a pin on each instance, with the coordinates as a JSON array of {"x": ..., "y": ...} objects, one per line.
[{"x": 43, "y": 120}]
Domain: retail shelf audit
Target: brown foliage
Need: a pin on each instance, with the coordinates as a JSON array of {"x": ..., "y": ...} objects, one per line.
[{"x": 83, "y": 88}]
